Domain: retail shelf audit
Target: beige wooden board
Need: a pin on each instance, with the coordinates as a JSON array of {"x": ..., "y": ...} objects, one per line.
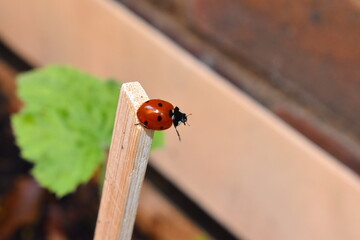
[{"x": 239, "y": 162}]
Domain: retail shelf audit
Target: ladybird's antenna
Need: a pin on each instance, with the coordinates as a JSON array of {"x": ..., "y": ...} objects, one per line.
[
  {"x": 186, "y": 118},
  {"x": 178, "y": 134}
]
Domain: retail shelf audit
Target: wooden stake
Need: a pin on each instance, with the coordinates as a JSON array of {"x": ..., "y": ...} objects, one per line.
[{"x": 127, "y": 162}]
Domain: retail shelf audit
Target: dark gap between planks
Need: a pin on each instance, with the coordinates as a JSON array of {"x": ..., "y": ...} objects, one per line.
[{"x": 12, "y": 59}]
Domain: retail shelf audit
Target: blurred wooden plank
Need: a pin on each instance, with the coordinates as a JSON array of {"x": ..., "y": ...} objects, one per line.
[
  {"x": 244, "y": 166},
  {"x": 160, "y": 220},
  {"x": 309, "y": 48},
  {"x": 326, "y": 132}
]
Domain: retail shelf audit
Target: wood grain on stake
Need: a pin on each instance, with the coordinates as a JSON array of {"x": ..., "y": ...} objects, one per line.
[{"x": 128, "y": 158}]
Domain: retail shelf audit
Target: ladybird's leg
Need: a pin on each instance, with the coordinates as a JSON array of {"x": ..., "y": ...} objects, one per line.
[
  {"x": 139, "y": 123},
  {"x": 178, "y": 134}
]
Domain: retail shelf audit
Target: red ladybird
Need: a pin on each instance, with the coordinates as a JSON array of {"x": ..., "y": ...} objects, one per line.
[{"x": 158, "y": 114}]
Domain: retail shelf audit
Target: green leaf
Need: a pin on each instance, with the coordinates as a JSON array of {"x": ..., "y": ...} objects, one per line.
[
  {"x": 158, "y": 140},
  {"x": 66, "y": 125}
]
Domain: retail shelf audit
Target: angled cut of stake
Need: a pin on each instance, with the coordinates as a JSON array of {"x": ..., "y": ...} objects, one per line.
[{"x": 127, "y": 162}]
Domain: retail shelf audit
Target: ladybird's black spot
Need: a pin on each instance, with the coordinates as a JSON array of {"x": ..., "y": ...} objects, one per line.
[
  {"x": 171, "y": 113},
  {"x": 160, "y": 104},
  {"x": 161, "y": 127},
  {"x": 146, "y": 123},
  {"x": 159, "y": 118}
]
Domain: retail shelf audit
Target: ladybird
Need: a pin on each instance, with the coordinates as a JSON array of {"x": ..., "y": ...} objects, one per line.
[{"x": 158, "y": 114}]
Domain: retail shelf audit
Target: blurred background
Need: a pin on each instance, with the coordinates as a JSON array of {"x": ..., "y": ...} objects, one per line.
[{"x": 273, "y": 148}]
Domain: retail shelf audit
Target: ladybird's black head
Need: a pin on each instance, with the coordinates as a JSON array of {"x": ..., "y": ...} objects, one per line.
[{"x": 178, "y": 117}]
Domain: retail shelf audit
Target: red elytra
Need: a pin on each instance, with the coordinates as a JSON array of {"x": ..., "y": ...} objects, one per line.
[{"x": 158, "y": 114}]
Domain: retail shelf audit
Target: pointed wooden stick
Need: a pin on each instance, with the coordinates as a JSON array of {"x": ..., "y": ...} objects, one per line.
[{"x": 127, "y": 162}]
